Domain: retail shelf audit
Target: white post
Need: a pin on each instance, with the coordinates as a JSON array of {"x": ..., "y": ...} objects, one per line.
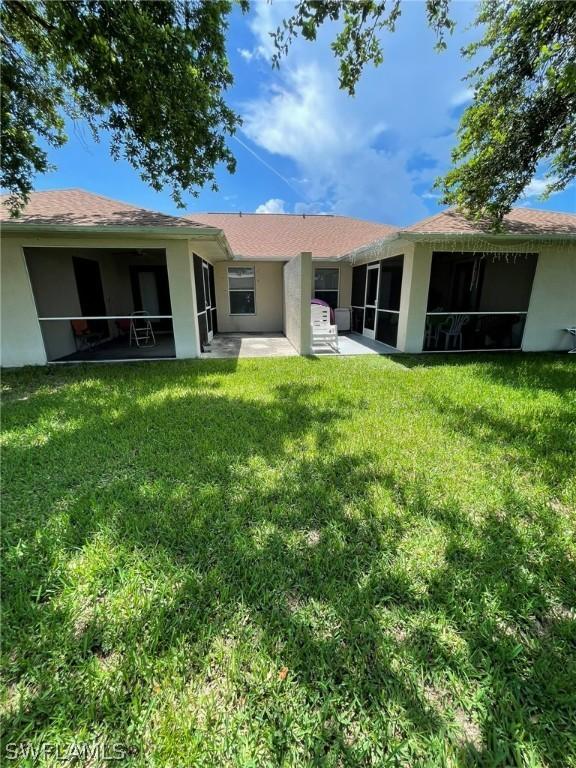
[
  {"x": 22, "y": 342},
  {"x": 414, "y": 298},
  {"x": 297, "y": 293},
  {"x": 180, "y": 264}
]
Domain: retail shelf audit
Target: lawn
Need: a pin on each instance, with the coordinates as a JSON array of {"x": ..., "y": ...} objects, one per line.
[{"x": 291, "y": 562}]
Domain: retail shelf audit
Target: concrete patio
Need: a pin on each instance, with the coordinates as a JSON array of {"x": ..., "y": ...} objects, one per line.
[
  {"x": 356, "y": 344},
  {"x": 248, "y": 345},
  {"x": 232, "y": 345}
]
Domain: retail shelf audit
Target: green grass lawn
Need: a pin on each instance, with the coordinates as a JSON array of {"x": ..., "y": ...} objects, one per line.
[{"x": 293, "y": 562}]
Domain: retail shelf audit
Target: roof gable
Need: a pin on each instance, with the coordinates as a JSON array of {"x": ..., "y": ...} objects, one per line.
[
  {"x": 78, "y": 208},
  {"x": 520, "y": 221}
]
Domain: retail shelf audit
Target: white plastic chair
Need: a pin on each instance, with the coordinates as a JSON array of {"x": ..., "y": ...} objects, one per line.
[
  {"x": 323, "y": 332},
  {"x": 141, "y": 331},
  {"x": 453, "y": 330}
]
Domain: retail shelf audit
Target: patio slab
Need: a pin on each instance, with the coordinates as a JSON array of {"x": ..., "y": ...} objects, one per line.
[
  {"x": 356, "y": 344},
  {"x": 226, "y": 345}
]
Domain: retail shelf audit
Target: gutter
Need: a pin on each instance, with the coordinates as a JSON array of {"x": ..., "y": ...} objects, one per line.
[{"x": 203, "y": 232}]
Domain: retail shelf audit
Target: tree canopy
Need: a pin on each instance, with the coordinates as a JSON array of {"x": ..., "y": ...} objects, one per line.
[
  {"x": 524, "y": 107},
  {"x": 152, "y": 74}
]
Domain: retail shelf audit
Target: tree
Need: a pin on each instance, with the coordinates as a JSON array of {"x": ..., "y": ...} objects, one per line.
[
  {"x": 524, "y": 106},
  {"x": 152, "y": 74}
]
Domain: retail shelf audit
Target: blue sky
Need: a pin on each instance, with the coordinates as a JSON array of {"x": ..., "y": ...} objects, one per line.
[{"x": 306, "y": 146}]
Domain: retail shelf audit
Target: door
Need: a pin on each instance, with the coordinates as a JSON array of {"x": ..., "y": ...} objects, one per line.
[
  {"x": 370, "y": 300},
  {"x": 208, "y": 299},
  {"x": 90, "y": 293},
  {"x": 149, "y": 292}
]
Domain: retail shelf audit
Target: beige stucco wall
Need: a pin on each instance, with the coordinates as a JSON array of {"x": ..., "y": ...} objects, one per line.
[
  {"x": 344, "y": 281},
  {"x": 268, "y": 298},
  {"x": 414, "y": 297},
  {"x": 21, "y": 337},
  {"x": 180, "y": 263},
  {"x": 553, "y": 300},
  {"x": 297, "y": 290}
]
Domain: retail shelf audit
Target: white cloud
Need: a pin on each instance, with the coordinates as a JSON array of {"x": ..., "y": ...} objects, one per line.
[
  {"x": 462, "y": 97},
  {"x": 246, "y": 54},
  {"x": 274, "y": 205},
  {"x": 537, "y": 187},
  {"x": 356, "y": 155}
]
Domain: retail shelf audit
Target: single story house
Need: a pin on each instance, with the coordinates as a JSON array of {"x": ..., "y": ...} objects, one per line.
[{"x": 76, "y": 266}]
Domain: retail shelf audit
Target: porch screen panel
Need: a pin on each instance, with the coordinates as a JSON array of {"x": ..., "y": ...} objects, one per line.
[
  {"x": 203, "y": 329},
  {"x": 389, "y": 300},
  {"x": 387, "y": 328},
  {"x": 478, "y": 300},
  {"x": 326, "y": 285},
  {"x": 358, "y": 285},
  {"x": 358, "y": 296},
  {"x": 199, "y": 281},
  {"x": 371, "y": 286},
  {"x": 478, "y": 282},
  {"x": 213, "y": 294},
  {"x": 390, "y": 283}
]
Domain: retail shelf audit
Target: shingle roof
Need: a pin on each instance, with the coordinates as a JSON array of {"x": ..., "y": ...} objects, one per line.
[
  {"x": 521, "y": 221},
  {"x": 269, "y": 235},
  {"x": 76, "y": 207}
]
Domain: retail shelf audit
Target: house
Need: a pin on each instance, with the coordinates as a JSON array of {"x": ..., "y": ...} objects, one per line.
[{"x": 76, "y": 265}]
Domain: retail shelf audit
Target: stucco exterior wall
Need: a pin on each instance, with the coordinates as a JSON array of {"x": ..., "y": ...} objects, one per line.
[
  {"x": 180, "y": 263},
  {"x": 553, "y": 300},
  {"x": 268, "y": 298},
  {"x": 297, "y": 290},
  {"x": 21, "y": 336}
]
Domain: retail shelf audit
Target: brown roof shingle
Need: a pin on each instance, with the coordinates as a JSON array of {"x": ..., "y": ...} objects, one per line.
[
  {"x": 521, "y": 221},
  {"x": 76, "y": 207},
  {"x": 269, "y": 235}
]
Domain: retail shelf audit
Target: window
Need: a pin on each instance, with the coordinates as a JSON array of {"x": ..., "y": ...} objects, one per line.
[
  {"x": 326, "y": 285},
  {"x": 241, "y": 287}
]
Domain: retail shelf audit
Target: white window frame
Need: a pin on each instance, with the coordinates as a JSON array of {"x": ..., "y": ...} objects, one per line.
[
  {"x": 333, "y": 290},
  {"x": 241, "y": 290}
]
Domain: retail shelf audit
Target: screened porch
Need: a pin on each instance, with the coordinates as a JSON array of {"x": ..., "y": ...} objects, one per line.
[
  {"x": 478, "y": 301},
  {"x": 102, "y": 304}
]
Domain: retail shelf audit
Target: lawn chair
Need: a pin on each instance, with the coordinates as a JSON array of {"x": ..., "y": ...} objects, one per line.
[
  {"x": 84, "y": 337},
  {"x": 323, "y": 332},
  {"x": 452, "y": 330},
  {"x": 141, "y": 331}
]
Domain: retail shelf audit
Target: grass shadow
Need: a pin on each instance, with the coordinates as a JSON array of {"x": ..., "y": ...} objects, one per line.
[{"x": 219, "y": 569}]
